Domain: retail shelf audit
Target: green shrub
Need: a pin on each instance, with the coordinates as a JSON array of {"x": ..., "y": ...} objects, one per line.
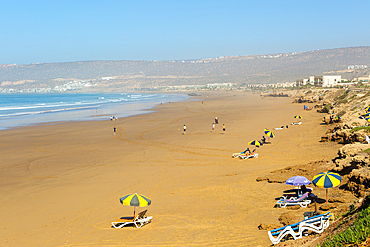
[
  {"x": 342, "y": 101},
  {"x": 366, "y": 128},
  {"x": 328, "y": 107},
  {"x": 355, "y": 234}
]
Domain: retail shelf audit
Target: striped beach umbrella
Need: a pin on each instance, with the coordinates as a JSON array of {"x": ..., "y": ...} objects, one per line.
[
  {"x": 269, "y": 133},
  {"x": 255, "y": 142},
  {"x": 367, "y": 109},
  {"x": 326, "y": 180},
  {"x": 135, "y": 200},
  {"x": 298, "y": 116}
]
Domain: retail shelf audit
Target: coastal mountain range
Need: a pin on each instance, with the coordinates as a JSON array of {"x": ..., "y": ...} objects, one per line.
[{"x": 139, "y": 75}]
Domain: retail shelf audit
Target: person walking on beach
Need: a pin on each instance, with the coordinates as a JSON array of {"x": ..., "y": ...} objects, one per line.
[
  {"x": 213, "y": 127},
  {"x": 184, "y": 129},
  {"x": 223, "y": 127},
  {"x": 114, "y": 130}
]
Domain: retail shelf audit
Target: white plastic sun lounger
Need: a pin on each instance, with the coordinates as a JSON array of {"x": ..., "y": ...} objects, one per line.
[
  {"x": 140, "y": 220},
  {"x": 303, "y": 201},
  {"x": 299, "y": 123},
  {"x": 316, "y": 224},
  {"x": 245, "y": 156},
  {"x": 248, "y": 156}
]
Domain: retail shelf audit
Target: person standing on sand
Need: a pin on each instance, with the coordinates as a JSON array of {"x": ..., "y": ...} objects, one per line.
[
  {"x": 223, "y": 127},
  {"x": 213, "y": 127},
  {"x": 114, "y": 130},
  {"x": 184, "y": 129}
]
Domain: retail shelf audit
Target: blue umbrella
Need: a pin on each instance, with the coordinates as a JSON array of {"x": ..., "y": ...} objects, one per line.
[{"x": 298, "y": 180}]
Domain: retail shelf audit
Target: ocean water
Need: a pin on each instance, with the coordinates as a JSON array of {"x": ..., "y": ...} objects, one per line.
[{"x": 28, "y": 109}]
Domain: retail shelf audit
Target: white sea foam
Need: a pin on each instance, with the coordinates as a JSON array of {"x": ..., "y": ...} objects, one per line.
[{"x": 23, "y": 109}]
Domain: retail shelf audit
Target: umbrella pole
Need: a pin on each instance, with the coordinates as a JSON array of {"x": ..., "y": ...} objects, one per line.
[
  {"x": 133, "y": 225},
  {"x": 326, "y": 195}
]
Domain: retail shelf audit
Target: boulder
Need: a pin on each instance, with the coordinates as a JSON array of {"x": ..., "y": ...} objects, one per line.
[
  {"x": 291, "y": 217},
  {"x": 259, "y": 179},
  {"x": 359, "y": 181},
  {"x": 268, "y": 227},
  {"x": 328, "y": 206},
  {"x": 351, "y": 149}
]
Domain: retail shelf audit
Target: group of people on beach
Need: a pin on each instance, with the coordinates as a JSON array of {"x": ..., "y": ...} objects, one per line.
[{"x": 213, "y": 126}]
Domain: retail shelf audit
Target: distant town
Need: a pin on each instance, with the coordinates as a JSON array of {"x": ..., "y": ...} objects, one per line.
[{"x": 315, "y": 81}]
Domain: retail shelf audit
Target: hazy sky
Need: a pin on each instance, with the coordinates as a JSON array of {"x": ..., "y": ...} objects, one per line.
[{"x": 78, "y": 30}]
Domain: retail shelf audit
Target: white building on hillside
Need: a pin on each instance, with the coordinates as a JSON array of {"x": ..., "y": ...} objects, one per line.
[
  {"x": 326, "y": 80},
  {"x": 331, "y": 80}
]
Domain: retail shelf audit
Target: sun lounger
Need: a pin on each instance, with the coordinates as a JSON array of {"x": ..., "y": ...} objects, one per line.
[
  {"x": 303, "y": 201},
  {"x": 140, "y": 220},
  {"x": 299, "y": 123},
  {"x": 248, "y": 156},
  {"x": 245, "y": 156},
  {"x": 316, "y": 224},
  {"x": 295, "y": 193}
]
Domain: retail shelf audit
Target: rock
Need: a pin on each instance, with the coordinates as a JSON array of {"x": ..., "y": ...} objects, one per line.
[
  {"x": 290, "y": 217},
  {"x": 337, "y": 199},
  {"x": 259, "y": 179},
  {"x": 359, "y": 181},
  {"x": 351, "y": 149},
  {"x": 294, "y": 207},
  {"x": 268, "y": 227},
  {"x": 328, "y": 206}
]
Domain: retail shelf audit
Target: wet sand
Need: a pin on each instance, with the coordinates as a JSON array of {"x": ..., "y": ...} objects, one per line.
[{"x": 61, "y": 183}]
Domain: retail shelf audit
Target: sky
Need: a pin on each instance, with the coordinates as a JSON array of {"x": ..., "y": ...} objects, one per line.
[{"x": 80, "y": 30}]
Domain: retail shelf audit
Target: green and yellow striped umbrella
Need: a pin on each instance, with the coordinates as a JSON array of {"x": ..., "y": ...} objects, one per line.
[
  {"x": 327, "y": 180},
  {"x": 298, "y": 116},
  {"x": 135, "y": 200},
  {"x": 255, "y": 142},
  {"x": 269, "y": 133}
]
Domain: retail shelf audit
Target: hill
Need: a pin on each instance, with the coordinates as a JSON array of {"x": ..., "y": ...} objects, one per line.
[{"x": 127, "y": 75}]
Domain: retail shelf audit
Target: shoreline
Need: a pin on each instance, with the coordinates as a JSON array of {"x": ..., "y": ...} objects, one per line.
[
  {"x": 86, "y": 112},
  {"x": 198, "y": 191}
]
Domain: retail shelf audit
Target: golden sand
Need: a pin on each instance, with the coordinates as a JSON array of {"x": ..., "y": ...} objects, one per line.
[{"x": 61, "y": 183}]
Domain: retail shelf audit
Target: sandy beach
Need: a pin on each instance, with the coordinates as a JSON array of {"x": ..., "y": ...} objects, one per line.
[{"x": 61, "y": 183}]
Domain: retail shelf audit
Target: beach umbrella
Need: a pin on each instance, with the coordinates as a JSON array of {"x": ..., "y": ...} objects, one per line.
[
  {"x": 255, "y": 142},
  {"x": 298, "y": 116},
  {"x": 297, "y": 181},
  {"x": 269, "y": 133},
  {"x": 326, "y": 180},
  {"x": 135, "y": 200},
  {"x": 367, "y": 109}
]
